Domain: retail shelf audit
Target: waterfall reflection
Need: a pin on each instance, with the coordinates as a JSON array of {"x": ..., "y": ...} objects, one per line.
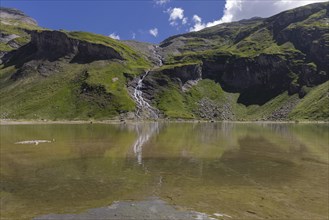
[{"x": 144, "y": 131}]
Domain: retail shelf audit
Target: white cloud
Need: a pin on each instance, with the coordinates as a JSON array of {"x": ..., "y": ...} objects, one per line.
[
  {"x": 198, "y": 25},
  {"x": 114, "y": 36},
  {"x": 243, "y": 9},
  {"x": 154, "y": 32},
  {"x": 184, "y": 21},
  {"x": 175, "y": 15},
  {"x": 133, "y": 35},
  {"x": 196, "y": 19},
  {"x": 161, "y": 2}
]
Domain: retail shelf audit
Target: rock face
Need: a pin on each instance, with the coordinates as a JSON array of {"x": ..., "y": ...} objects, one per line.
[
  {"x": 251, "y": 68},
  {"x": 53, "y": 45},
  {"x": 14, "y": 14},
  {"x": 238, "y": 74},
  {"x": 5, "y": 38},
  {"x": 282, "y": 20},
  {"x": 184, "y": 73},
  {"x": 257, "y": 79}
]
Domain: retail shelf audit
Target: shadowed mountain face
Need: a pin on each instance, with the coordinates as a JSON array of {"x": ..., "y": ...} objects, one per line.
[{"x": 270, "y": 68}]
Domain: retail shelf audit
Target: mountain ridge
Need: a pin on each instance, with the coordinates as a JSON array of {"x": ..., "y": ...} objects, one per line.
[{"x": 255, "y": 69}]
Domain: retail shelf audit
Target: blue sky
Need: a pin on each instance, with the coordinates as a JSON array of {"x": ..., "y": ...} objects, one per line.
[
  {"x": 147, "y": 20},
  {"x": 124, "y": 18}
]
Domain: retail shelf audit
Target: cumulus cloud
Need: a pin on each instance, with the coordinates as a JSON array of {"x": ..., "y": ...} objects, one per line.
[
  {"x": 175, "y": 15},
  {"x": 161, "y": 2},
  {"x": 133, "y": 35},
  {"x": 243, "y": 9},
  {"x": 198, "y": 25},
  {"x": 114, "y": 36},
  {"x": 184, "y": 20},
  {"x": 154, "y": 32},
  {"x": 240, "y": 9}
]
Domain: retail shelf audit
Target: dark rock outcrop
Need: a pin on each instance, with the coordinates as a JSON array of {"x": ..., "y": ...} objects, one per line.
[
  {"x": 311, "y": 41},
  {"x": 257, "y": 79},
  {"x": 54, "y": 45},
  {"x": 183, "y": 73}
]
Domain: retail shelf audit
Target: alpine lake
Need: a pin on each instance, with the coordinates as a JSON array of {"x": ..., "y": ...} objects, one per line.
[{"x": 165, "y": 170}]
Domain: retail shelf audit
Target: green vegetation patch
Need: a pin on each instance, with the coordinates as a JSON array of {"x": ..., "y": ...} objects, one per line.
[
  {"x": 178, "y": 104},
  {"x": 18, "y": 28},
  {"x": 112, "y": 78},
  {"x": 134, "y": 60},
  {"x": 96, "y": 90},
  {"x": 172, "y": 102},
  {"x": 314, "y": 106},
  {"x": 204, "y": 88}
]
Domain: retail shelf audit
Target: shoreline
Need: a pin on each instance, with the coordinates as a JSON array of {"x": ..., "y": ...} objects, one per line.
[{"x": 36, "y": 122}]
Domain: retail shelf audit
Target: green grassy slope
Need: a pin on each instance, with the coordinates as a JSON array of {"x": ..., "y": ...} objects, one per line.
[
  {"x": 314, "y": 106},
  {"x": 9, "y": 27},
  {"x": 251, "y": 41},
  {"x": 177, "y": 104},
  {"x": 95, "y": 90}
]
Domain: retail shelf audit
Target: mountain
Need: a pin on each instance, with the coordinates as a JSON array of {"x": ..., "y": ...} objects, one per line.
[
  {"x": 257, "y": 69},
  {"x": 13, "y": 26}
]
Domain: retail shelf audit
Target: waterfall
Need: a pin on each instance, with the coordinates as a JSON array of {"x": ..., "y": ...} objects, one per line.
[
  {"x": 144, "y": 109},
  {"x": 142, "y": 105}
]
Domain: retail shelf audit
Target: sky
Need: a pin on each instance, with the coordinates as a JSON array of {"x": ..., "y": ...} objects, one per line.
[{"x": 146, "y": 20}]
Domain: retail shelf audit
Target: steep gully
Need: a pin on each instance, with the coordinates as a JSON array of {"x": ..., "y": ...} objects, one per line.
[{"x": 144, "y": 109}]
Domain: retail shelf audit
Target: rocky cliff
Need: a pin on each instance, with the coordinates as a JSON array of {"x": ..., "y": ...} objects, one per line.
[{"x": 54, "y": 45}]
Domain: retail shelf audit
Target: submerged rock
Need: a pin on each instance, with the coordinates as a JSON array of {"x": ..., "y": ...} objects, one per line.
[
  {"x": 36, "y": 142},
  {"x": 148, "y": 209}
]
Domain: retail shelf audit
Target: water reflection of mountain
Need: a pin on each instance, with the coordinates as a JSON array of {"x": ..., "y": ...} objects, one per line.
[
  {"x": 191, "y": 140},
  {"x": 262, "y": 160},
  {"x": 227, "y": 152},
  {"x": 189, "y": 163}
]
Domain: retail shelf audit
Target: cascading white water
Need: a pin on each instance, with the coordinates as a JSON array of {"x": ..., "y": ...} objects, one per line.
[
  {"x": 143, "y": 105},
  {"x": 144, "y": 109},
  {"x": 157, "y": 56}
]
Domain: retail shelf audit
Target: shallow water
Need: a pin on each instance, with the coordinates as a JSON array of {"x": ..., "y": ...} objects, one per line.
[{"x": 275, "y": 171}]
